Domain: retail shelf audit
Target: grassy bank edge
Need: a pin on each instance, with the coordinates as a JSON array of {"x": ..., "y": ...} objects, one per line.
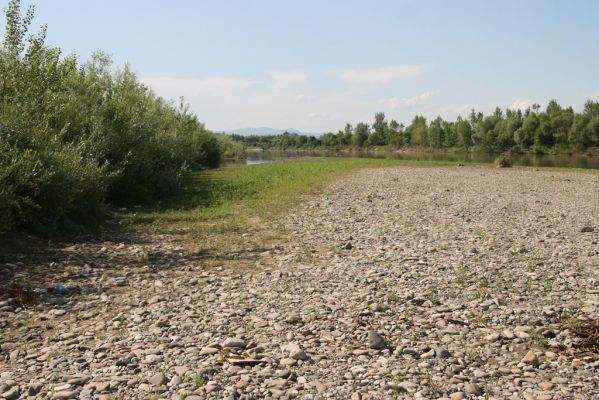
[{"x": 236, "y": 212}]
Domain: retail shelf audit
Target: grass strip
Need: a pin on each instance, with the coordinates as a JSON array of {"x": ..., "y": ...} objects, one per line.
[{"x": 235, "y": 212}]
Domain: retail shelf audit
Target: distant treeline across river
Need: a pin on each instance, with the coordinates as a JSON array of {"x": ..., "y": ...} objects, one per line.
[
  {"x": 257, "y": 156},
  {"x": 554, "y": 130}
]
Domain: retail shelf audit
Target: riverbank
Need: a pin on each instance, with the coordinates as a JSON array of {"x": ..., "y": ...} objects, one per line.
[
  {"x": 226, "y": 211},
  {"x": 589, "y": 160},
  {"x": 590, "y": 152},
  {"x": 397, "y": 282}
]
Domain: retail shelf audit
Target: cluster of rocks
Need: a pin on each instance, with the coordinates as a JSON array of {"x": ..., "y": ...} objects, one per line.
[{"x": 402, "y": 283}]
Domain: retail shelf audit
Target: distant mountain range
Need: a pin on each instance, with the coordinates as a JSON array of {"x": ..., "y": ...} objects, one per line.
[{"x": 269, "y": 131}]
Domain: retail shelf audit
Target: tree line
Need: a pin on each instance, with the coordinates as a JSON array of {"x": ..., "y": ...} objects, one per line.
[
  {"x": 555, "y": 129},
  {"x": 76, "y": 136}
]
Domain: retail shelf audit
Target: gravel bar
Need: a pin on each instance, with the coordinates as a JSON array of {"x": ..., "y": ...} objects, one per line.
[{"x": 396, "y": 283}]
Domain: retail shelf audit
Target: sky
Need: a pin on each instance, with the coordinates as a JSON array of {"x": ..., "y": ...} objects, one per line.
[{"x": 317, "y": 65}]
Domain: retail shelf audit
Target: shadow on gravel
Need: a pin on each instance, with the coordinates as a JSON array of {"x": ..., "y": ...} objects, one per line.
[{"x": 35, "y": 271}]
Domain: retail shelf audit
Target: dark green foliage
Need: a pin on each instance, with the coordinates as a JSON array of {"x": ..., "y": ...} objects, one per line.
[
  {"x": 417, "y": 132},
  {"x": 394, "y": 134},
  {"x": 361, "y": 134},
  {"x": 378, "y": 137},
  {"x": 436, "y": 133},
  {"x": 464, "y": 133},
  {"x": 75, "y": 136},
  {"x": 556, "y": 129}
]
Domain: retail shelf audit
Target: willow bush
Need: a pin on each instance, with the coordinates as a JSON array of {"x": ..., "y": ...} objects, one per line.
[{"x": 75, "y": 137}]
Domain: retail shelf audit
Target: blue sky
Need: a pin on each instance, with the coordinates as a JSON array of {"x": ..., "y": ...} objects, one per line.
[{"x": 315, "y": 65}]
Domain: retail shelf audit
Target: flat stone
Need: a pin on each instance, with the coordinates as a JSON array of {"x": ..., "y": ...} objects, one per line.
[
  {"x": 442, "y": 353},
  {"x": 411, "y": 351},
  {"x": 79, "y": 380},
  {"x": 65, "y": 394},
  {"x": 530, "y": 358},
  {"x": 102, "y": 387},
  {"x": 408, "y": 386},
  {"x": 158, "y": 380},
  {"x": 175, "y": 381},
  {"x": 472, "y": 388},
  {"x": 63, "y": 387},
  {"x": 12, "y": 394},
  {"x": 546, "y": 385},
  {"x": 34, "y": 388},
  {"x": 234, "y": 343},
  {"x": 208, "y": 351},
  {"x": 508, "y": 334},
  {"x": 299, "y": 355},
  {"x": 375, "y": 340},
  {"x": 289, "y": 362}
]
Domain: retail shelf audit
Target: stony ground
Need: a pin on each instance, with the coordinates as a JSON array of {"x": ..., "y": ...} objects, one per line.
[{"x": 395, "y": 283}]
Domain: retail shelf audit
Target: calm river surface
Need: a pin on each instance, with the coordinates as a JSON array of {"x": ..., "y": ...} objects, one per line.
[{"x": 531, "y": 160}]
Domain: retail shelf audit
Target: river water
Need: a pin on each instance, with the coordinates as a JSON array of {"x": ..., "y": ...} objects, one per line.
[{"x": 530, "y": 160}]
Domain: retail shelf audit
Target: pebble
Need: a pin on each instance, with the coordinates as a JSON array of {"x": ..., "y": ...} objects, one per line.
[
  {"x": 375, "y": 340},
  {"x": 472, "y": 388},
  {"x": 158, "y": 379},
  {"x": 530, "y": 358},
  {"x": 546, "y": 385},
  {"x": 207, "y": 350},
  {"x": 234, "y": 342},
  {"x": 65, "y": 394}
]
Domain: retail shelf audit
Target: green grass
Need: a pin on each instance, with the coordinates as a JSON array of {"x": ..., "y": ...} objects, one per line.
[{"x": 230, "y": 211}]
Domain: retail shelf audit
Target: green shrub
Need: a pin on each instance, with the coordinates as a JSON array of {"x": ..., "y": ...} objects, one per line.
[
  {"x": 75, "y": 136},
  {"x": 49, "y": 188},
  {"x": 231, "y": 150}
]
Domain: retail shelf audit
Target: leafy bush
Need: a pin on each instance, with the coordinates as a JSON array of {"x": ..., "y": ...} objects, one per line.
[
  {"x": 231, "y": 150},
  {"x": 73, "y": 136}
]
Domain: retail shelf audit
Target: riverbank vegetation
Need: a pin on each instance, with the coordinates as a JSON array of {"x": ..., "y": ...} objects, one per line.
[
  {"x": 226, "y": 210},
  {"x": 76, "y": 136},
  {"x": 556, "y": 129}
]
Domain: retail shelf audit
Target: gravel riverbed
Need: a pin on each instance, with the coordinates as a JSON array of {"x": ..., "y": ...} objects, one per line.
[{"x": 396, "y": 283}]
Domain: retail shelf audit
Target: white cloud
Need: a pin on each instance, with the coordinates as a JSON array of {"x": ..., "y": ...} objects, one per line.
[
  {"x": 594, "y": 96},
  {"x": 395, "y": 102},
  {"x": 317, "y": 115},
  {"x": 521, "y": 104},
  {"x": 290, "y": 77},
  {"x": 379, "y": 75},
  {"x": 224, "y": 103},
  {"x": 199, "y": 86}
]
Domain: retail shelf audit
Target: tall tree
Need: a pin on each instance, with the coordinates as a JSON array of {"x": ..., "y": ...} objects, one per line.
[
  {"x": 464, "y": 133},
  {"x": 379, "y": 130},
  {"x": 348, "y": 132},
  {"x": 417, "y": 131},
  {"x": 394, "y": 134},
  {"x": 361, "y": 134},
  {"x": 435, "y": 133}
]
